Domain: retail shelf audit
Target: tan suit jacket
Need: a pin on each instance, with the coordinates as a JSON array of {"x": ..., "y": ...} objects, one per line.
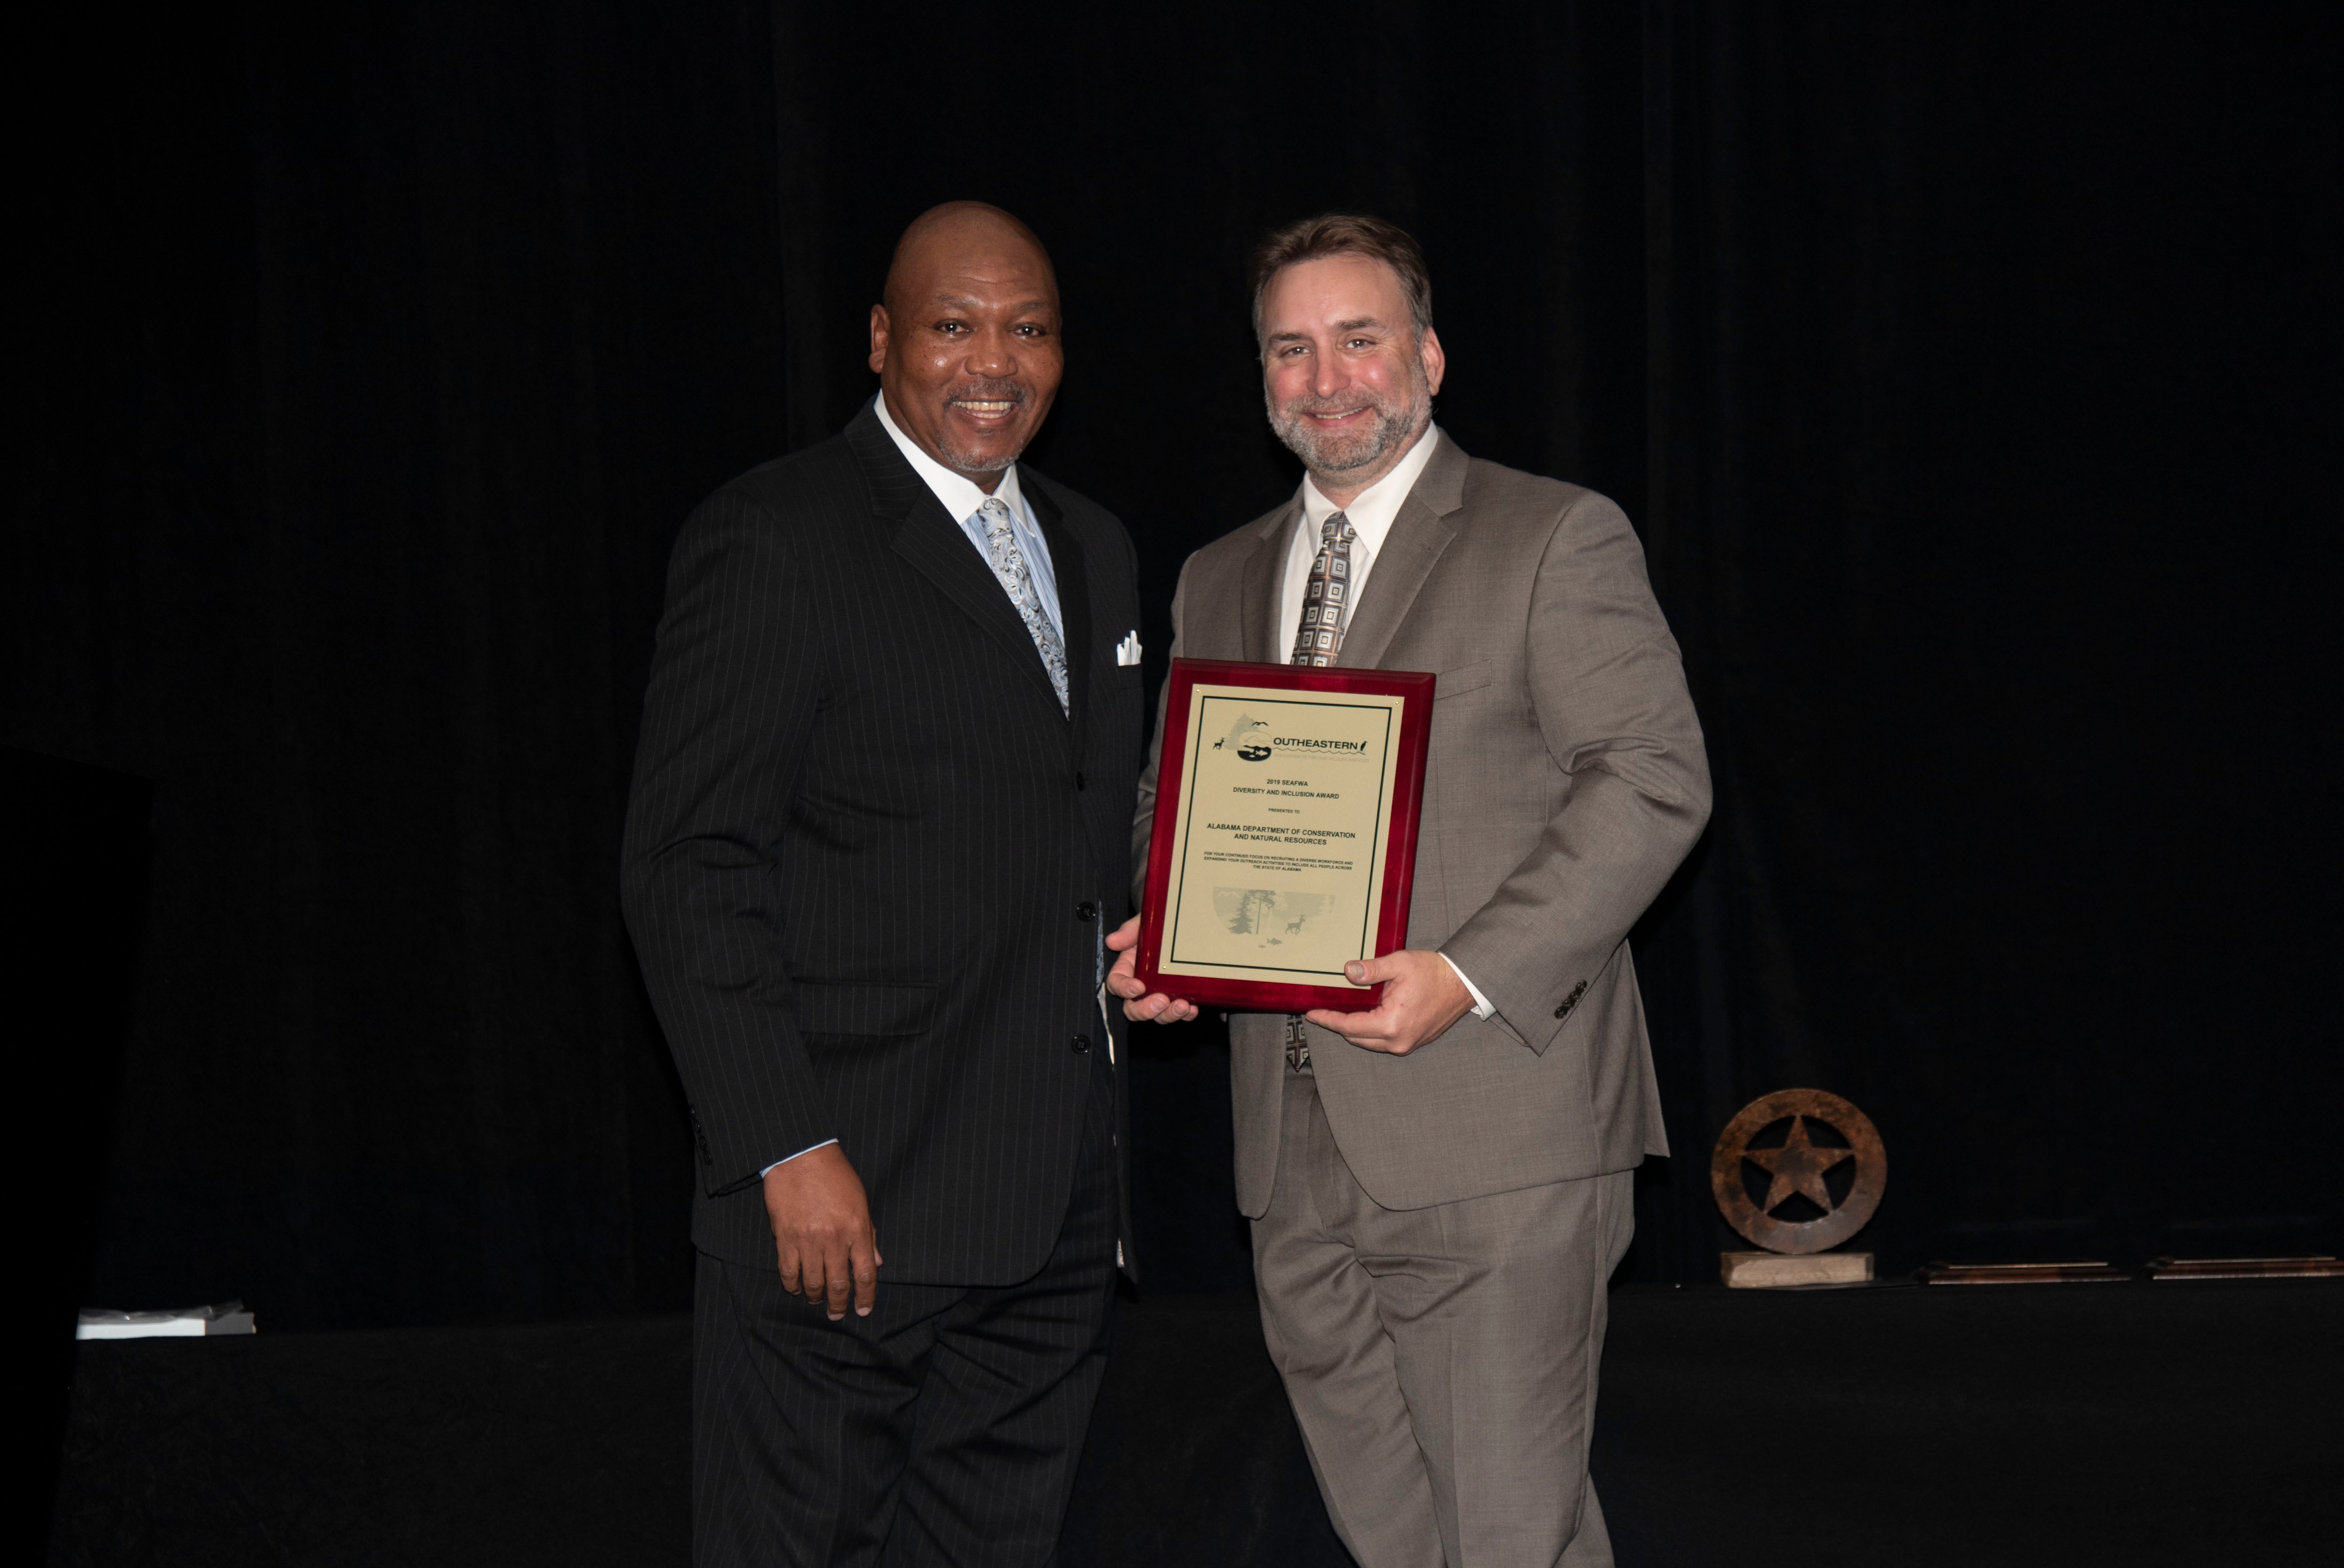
[{"x": 1566, "y": 782}]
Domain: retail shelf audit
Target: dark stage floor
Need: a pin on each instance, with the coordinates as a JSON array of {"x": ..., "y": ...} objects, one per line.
[{"x": 2141, "y": 1423}]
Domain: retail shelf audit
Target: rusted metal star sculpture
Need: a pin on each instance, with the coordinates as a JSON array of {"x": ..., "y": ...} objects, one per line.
[{"x": 1799, "y": 1166}]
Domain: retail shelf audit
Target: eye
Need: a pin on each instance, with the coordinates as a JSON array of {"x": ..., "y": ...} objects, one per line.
[
  {"x": 1030, "y": 329},
  {"x": 950, "y": 327}
]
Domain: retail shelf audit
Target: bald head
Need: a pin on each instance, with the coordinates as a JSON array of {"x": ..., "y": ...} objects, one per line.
[
  {"x": 954, "y": 233},
  {"x": 966, "y": 341}
]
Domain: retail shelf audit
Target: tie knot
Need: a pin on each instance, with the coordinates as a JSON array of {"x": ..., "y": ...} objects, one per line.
[
  {"x": 997, "y": 521},
  {"x": 1336, "y": 526}
]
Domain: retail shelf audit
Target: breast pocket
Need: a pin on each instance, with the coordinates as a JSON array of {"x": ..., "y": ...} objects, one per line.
[
  {"x": 1466, "y": 678},
  {"x": 1120, "y": 692}
]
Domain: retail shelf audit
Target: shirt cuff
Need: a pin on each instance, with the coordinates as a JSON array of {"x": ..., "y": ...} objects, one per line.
[
  {"x": 828, "y": 1141},
  {"x": 1482, "y": 1005}
]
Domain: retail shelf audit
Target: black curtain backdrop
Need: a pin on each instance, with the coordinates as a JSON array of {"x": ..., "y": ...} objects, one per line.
[{"x": 1969, "y": 371}]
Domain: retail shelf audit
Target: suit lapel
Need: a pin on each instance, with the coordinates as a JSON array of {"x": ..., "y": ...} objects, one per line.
[
  {"x": 1420, "y": 533},
  {"x": 931, "y": 539},
  {"x": 1264, "y": 577}
]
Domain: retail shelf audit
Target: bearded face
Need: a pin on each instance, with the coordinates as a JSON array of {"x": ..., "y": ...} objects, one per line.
[
  {"x": 1327, "y": 433},
  {"x": 1349, "y": 375}
]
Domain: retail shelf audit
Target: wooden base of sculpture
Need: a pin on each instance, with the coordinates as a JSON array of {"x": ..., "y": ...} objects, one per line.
[{"x": 1764, "y": 1271}]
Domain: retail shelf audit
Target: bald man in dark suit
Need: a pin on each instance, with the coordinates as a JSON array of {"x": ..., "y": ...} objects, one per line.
[{"x": 880, "y": 813}]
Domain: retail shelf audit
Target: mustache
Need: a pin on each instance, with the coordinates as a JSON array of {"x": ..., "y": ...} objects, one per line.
[
  {"x": 988, "y": 390},
  {"x": 1309, "y": 403}
]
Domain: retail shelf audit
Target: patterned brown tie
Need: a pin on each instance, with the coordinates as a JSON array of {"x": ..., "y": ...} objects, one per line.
[
  {"x": 1318, "y": 639},
  {"x": 1326, "y": 602}
]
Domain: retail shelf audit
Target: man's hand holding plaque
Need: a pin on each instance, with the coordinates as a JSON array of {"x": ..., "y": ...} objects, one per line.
[
  {"x": 1422, "y": 996},
  {"x": 1139, "y": 1004}
]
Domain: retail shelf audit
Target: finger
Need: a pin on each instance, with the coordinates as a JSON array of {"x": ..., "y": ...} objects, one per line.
[
  {"x": 790, "y": 1270},
  {"x": 866, "y": 1275},
  {"x": 1387, "y": 1047},
  {"x": 1368, "y": 972},
  {"x": 1124, "y": 983},
  {"x": 1125, "y": 936},
  {"x": 1374, "y": 1031},
  {"x": 838, "y": 1266}
]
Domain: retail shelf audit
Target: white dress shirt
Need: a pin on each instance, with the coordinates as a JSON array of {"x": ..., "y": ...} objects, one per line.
[{"x": 1370, "y": 515}]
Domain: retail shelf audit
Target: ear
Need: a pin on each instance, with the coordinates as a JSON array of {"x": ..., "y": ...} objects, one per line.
[
  {"x": 878, "y": 338},
  {"x": 1435, "y": 363}
]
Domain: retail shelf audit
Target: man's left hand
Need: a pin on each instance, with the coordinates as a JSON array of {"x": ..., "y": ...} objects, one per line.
[
  {"x": 1140, "y": 1004},
  {"x": 1422, "y": 997}
]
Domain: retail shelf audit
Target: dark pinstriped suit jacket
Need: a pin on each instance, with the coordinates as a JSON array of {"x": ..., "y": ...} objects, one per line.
[{"x": 868, "y": 857}]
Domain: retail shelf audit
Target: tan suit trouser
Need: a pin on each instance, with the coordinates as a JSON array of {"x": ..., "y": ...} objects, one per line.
[{"x": 1442, "y": 1361}]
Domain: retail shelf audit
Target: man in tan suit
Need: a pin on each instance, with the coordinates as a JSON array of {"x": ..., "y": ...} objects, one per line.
[{"x": 1439, "y": 1188}]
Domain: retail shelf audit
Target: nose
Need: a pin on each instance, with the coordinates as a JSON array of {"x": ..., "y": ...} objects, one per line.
[
  {"x": 992, "y": 353},
  {"x": 1328, "y": 375}
]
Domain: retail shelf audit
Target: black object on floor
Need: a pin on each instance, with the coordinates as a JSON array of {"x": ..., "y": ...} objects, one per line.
[
  {"x": 2147, "y": 1424},
  {"x": 552, "y": 1444},
  {"x": 74, "y": 840},
  {"x": 2138, "y": 1424}
]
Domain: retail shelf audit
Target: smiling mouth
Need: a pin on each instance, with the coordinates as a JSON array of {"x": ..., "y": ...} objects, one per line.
[
  {"x": 985, "y": 407},
  {"x": 1330, "y": 418}
]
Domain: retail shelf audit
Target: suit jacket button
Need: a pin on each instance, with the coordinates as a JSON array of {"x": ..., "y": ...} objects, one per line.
[
  {"x": 1086, "y": 911},
  {"x": 1082, "y": 1045},
  {"x": 1081, "y": 782}
]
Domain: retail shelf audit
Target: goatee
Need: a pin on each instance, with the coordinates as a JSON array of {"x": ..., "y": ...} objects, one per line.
[{"x": 1335, "y": 452}]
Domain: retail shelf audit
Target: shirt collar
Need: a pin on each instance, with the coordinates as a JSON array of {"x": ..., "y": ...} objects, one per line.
[
  {"x": 960, "y": 497},
  {"x": 1372, "y": 511}
]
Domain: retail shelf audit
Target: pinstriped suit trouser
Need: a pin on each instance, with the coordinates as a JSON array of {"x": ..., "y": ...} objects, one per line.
[
  {"x": 1442, "y": 1361},
  {"x": 944, "y": 1429}
]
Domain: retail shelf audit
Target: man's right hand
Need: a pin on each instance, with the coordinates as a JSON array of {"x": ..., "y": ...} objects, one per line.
[
  {"x": 822, "y": 1229},
  {"x": 1138, "y": 1003}
]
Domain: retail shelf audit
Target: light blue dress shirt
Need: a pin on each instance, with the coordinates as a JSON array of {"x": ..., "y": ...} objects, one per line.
[{"x": 962, "y": 498}]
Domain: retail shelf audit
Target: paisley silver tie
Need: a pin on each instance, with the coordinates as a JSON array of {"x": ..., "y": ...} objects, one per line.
[{"x": 1018, "y": 581}]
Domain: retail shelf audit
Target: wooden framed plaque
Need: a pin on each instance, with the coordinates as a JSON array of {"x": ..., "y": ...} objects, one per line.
[{"x": 1287, "y": 798}]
